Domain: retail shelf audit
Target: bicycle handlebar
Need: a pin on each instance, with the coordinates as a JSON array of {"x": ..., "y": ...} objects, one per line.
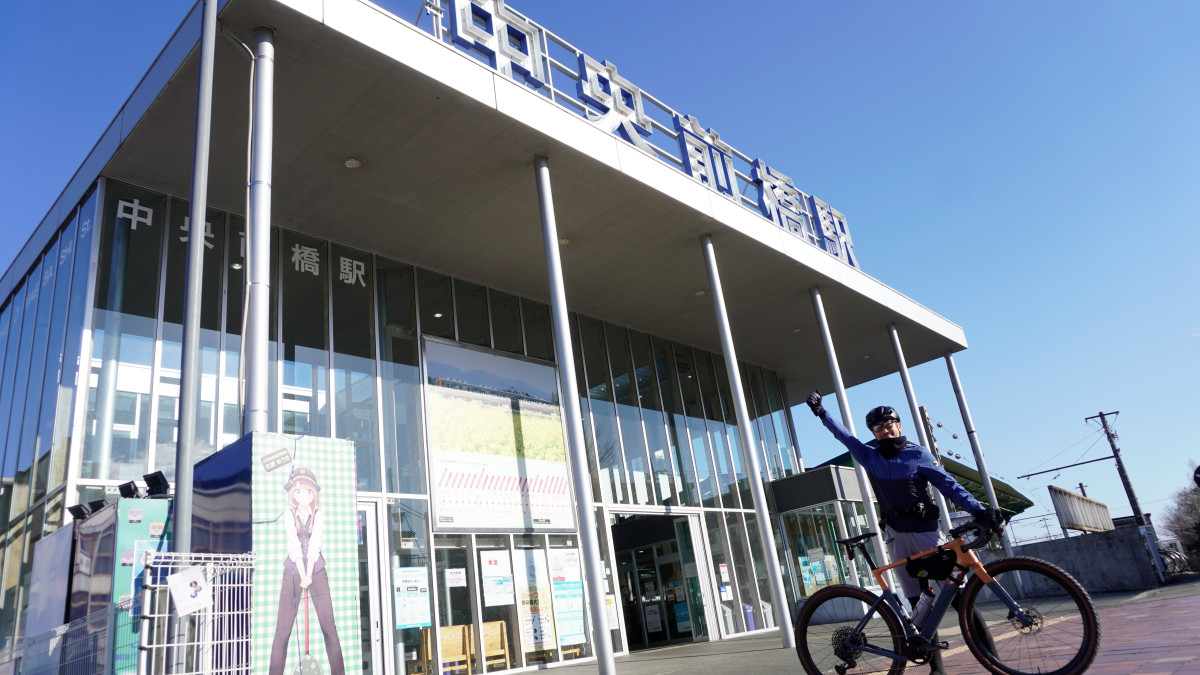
[{"x": 983, "y": 537}]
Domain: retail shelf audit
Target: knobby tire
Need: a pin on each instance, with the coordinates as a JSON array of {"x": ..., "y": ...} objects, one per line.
[{"x": 830, "y": 615}]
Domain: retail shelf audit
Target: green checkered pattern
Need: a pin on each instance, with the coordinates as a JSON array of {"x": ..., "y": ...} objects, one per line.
[{"x": 332, "y": 461}]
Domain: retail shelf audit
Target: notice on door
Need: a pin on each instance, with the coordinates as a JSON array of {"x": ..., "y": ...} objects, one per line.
[
  {"x": 495, "y": 570},
  {"x": 411, "y": 587},
  {"x": 653, "y": 619}
]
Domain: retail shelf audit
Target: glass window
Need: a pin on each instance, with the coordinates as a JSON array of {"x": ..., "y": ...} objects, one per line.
[
  {"x": 539, "y": 337},
  {"x": 566, "y": 583},
  {"x": 14, "y": 550},
  {"x": 408, "y": 539},
  {"x": 22, "y": 428},
  {"x": 229, "y": 390},
  {"x": 304, "y": 322},
  {"x": 743, "y": 571},
  {"x": 470, "y": 302},
  {"x": 123, "y": 333},
  {"x": 756, "y": 400},
  {"x": 506, "y": 322},
  {"x": 531, "y": 581},
  {"x": 697, "y": 431},
  {"x": 637, "y": 463},
  {"x": 170, "y": 372},
  {"x": 717, "y": 436},
  {"x": 732, "y": 618},
  {"x": 500, "y": 628},
  {"x": 437, "y": 305},
  {"x": 403, "y": 430},
  {"x": 663, "y": 459},
  {"x": 668, "y": 380},
  {"x": 761, "y": 578},
  {"x": 779, "y": 420},
  {"x": 732, "y": 433},
  {"x": 354, "y": 362},
  {"x": 609, "y": 456}
]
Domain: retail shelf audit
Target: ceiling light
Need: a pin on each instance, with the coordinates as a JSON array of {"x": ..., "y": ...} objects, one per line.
[
  {"x": 700, "y": 294},
  {"x": 563, "y": 241},
  {"x": 866, "y": 356},
  {"x": 437, "y": 315},
  {"x": 797, "y": 330},
  {"x": 353, "y": 163},
  {"x": 236, "y": 266}
]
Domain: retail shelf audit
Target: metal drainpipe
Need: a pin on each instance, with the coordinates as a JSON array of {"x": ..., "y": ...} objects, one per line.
[
  {"x": 258, "y": 234},
  {"x": 783, "y": 617},
  {"x": 588, "y": 538}
]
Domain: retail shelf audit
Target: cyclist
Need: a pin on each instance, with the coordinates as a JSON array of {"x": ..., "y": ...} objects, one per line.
[{"x": 900, "y": 473}]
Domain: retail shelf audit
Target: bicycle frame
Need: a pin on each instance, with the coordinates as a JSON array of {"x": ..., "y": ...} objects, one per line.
[{"x": 967, "y": 562}]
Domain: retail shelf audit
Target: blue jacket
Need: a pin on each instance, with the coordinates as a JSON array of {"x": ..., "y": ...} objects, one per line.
[{"x": 901, "y": 483}]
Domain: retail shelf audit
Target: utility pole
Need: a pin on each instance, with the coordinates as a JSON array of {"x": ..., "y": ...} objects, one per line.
[
  {"x": 1082, "y": 489},
  {"x": 1138, "y": 517}
]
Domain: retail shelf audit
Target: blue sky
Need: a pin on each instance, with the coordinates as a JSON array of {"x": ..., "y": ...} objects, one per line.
[{"x": 1028, "y": 170}]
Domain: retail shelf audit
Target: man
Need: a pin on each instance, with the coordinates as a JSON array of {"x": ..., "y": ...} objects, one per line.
[{"x": 900, "y": 473}]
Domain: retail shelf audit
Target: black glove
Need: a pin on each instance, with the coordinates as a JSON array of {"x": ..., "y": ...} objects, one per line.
[
  {"x": 814, "y": 403},
  {"x": 991, "y": 519}
]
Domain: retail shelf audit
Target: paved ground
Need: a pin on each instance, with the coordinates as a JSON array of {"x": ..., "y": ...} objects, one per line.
[{"x": 1155, "y": 632}]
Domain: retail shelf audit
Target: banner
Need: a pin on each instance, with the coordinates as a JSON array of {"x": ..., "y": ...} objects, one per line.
[{"x": 306, "y": 582}]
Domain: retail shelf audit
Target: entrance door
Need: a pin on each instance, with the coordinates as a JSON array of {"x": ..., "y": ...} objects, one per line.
[
  {"x": 664, "y": 589},
  {"x": 370, "y": 592}
]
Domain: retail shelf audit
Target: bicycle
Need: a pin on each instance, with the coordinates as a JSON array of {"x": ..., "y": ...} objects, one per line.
[{"x": 1052, "y": 630}]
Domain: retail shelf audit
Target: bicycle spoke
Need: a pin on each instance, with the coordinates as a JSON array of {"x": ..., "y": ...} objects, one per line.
[{"x": 826, "y": 638}]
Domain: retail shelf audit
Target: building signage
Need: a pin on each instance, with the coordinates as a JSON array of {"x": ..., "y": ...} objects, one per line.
[{"x": 515, "y": 46}]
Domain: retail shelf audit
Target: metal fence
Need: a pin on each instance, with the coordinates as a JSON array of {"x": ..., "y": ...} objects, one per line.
[
  {"x": 213, "y": 640},
  {"x": 125, "y": 640}
]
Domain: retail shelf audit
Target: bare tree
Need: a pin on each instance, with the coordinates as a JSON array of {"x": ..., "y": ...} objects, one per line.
[{"x": 1182, "y": 518}]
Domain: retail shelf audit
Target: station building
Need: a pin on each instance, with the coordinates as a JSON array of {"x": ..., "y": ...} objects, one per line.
[{"x": 411, "y": 312}]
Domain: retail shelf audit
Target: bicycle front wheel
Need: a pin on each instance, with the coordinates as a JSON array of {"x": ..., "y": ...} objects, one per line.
[
  {"x": 1064, "y": 634},
  {"x": 825, "y": 637}
]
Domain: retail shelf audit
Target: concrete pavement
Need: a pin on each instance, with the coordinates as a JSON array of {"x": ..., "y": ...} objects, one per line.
[{"x": 1155, "y": 632}]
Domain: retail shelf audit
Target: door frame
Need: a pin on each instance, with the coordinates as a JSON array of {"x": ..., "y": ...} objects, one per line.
[
  {"x": 372, "y": 510},
  {"x": 704, "y": 571}
]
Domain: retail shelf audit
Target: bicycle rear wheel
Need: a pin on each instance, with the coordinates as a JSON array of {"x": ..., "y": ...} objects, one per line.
[
  {"x": 825, "y": 626},
  {"x": 1065, "y": 633}
]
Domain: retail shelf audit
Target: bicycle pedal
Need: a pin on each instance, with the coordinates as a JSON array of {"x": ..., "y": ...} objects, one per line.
[{"x": 942, "y": 644}]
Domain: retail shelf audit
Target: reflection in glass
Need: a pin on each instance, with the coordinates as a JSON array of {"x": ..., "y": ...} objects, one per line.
[
  {"x": 408, "y": 542},
  {"x": 663, "y": 459},
  {"x": 22, "y": 427},
  {"x": 305, "y": 325},
  {"x": 500, "y": 628},
  {"x": 506, "y": 322},
  {"x": 354, "y": 362},
  {"x": 470, "y": 302},
  {"x": 743, "y": 571},
  {"x": 731, "y": 615},
  {"x": 668, "y": 381},
  {"x": 637, "y": 463},
  {"x": 607, "y": 439},
  {"x": 404, "y": 447}
]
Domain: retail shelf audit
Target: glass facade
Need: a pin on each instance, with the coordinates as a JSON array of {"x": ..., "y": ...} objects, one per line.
[{"x": 349, "y": 334}]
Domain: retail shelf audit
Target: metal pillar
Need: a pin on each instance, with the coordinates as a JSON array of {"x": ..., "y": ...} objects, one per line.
[
  {"x": 847, "y": 421},
  {"x": 258, "y": 234},
  {"x": 588, "y": 539},
  {"x": 913, "y": 410},
  {"x": 192, "y": 369},
  {"x": 974, "y": 438},
  {"x": 783, "y": 617}
]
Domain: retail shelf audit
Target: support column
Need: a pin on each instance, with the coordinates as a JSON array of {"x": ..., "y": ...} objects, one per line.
[
  {"x": 914, "y": 412},
  {"x": 974, "y": 438},
  {"x": 258, "y": 234},
  {"x": 191, "y": 368},
  {"x": 588, "y": 537},
  {"x": 839, "y": 386},
  {"x": 783, "y": 617}
]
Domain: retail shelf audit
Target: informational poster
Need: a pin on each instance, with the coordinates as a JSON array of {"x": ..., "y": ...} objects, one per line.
[
  {"x": 495, "y": 571},
  {"x": 726, "y": 594},
  {"x": 610, "y": 606},
  {"x": 653, "y": 619},
  {"x": 683, "y": 617},
  {"x": 567, "y": 582},
  {"x": 498, "y": 457},
  {"x": 304, "y": 489},
  {"x": 456, "y": 577},
  {"x": 410, "y": 588},
  {"x": 531, "y": 579},
  {"x": 724, "y": 573},
  {"x": 818, "y": 568},
  {"x": 832, "y": 570},
  {"x": 816, "y": 553},
  {"x": 806, "y": 574}
]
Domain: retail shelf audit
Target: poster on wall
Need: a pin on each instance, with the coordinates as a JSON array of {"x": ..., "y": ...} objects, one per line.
[
  {"x": 683, "y": 618},
  {"x": 567, "y": 582},
  {"x": 497, "y": 454},
  {"x": 532, "y": 581},
  {"x": 410, "y": 589},
  {"x": 495, "y": 571},
  {"x": 653, "y": 619},
  {"x": 307, "y": 555}
]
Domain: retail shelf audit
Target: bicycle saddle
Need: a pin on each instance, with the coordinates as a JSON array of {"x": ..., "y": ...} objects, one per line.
[{"x": 855, "y": 540}]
